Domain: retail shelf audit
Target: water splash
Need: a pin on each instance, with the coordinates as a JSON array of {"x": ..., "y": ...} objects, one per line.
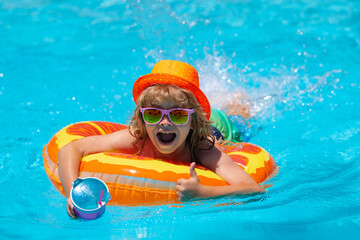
[{"x": 269, "y": 93}]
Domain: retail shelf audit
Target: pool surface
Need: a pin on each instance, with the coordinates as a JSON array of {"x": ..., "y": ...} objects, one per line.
[{"x": 297, "y": 61}]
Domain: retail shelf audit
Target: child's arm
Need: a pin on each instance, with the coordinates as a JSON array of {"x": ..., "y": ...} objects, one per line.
[
  {"x": 70, "y": 156},
  {"x": 239, "y": 181}
]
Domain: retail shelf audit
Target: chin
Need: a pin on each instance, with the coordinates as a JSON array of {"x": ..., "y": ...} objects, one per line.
[{"x": 166, "y": 149}]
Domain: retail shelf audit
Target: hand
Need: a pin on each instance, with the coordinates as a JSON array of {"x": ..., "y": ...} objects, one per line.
[
  {"x": 189, "y": 188},
  {"x": 70, "y": 208}
]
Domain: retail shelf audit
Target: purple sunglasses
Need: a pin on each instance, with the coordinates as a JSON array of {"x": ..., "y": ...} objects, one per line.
[{"x": 177, "y": 116}]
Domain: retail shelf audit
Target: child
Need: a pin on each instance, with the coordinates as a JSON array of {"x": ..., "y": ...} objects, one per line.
[{"x": 171, "y": 121}]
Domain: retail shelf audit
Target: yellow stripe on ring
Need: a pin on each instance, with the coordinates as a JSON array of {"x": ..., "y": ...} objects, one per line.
[
  {"x": 158, "y": 165},
  {"x": 255, "y": 160}
]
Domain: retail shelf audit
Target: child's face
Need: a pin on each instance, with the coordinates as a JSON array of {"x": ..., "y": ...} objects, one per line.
[{"x": 166, "y": 136}]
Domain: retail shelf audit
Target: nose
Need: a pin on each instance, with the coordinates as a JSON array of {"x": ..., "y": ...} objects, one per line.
[{"x": 165, "y": 121}]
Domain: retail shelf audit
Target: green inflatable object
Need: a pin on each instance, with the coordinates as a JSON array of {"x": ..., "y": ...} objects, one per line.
[{"x": 224, "y": 124}]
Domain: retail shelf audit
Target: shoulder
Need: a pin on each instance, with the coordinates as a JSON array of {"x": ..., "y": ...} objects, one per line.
[
  {"x": 210, "y": 157},
  {"x": 118, "y": 141},
  {"x": 121, "y": 140}
]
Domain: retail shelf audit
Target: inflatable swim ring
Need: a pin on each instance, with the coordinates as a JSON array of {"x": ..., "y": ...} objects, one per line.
[{"x": 135, "y": 180}]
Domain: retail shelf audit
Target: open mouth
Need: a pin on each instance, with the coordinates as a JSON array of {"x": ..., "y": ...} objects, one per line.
[{"x": 166, "y": 138}]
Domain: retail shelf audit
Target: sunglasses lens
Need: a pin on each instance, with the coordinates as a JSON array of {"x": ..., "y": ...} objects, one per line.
[
  {"x": 179, "y": 116},
  {"x": 152, "y": 115}
]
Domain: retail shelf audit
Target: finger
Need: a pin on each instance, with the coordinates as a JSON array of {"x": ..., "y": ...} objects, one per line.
[
  {"x": 180, "y": 181},
  {"x": 70, "y": 209},
  {"x": 193, "y": 173},
  {"x": 71, "y": 212},
  {"x": 179, "y": 195}
]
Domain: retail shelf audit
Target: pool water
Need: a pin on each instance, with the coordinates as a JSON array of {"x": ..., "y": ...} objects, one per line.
[{"x": 297, "y": 61}]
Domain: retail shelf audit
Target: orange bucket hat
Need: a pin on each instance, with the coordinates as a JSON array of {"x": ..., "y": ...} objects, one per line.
[{"x": 175, "y": 73}]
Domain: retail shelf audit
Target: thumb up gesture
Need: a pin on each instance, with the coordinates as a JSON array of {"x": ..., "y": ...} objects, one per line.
[{"x": 187, "y": 189}]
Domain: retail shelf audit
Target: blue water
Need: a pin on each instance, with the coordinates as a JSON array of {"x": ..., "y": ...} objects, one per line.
[{"x": 297, "y": 61}]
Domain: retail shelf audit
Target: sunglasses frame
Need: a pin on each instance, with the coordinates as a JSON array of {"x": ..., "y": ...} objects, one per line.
[{"x": 167, "y": 112}]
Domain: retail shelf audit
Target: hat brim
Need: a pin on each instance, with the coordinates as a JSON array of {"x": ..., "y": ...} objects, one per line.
[{"x": 161, "y": 78}]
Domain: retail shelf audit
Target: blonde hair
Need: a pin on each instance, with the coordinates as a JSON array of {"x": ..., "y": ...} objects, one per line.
[{"x": 153, "y": 96}]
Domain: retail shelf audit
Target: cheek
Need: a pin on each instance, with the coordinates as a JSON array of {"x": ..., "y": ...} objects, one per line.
[
  {"x": 148, "y": 129},
  {"x": 185, "y": 131}
]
